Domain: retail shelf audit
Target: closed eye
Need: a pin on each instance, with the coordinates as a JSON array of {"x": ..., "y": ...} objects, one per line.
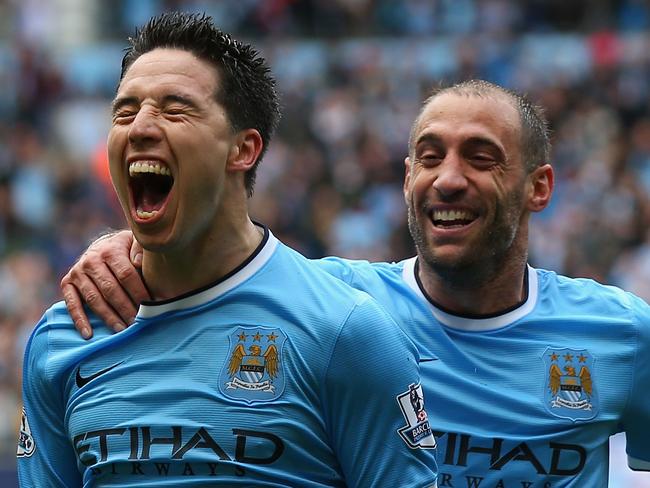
[
  {"x": 175, "y": 111},
  {"x": 483, "y": 161},
  {"x": 483, "y": 158},
  {"x": 482, "y": 152},
  {"x": 124, "y": 116},
  {"x": 429, "y": 159}
]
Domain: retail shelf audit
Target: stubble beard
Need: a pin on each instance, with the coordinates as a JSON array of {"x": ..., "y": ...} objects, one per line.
[{"x": 487, "y": 256}]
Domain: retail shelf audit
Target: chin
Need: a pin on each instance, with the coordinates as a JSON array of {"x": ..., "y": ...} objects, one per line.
[
  {"x": 454, "y": 266},
  {"x": 450, "y": 255},
  {"x": 152, "y": 243},
  {"x": 453, "y": 263}
]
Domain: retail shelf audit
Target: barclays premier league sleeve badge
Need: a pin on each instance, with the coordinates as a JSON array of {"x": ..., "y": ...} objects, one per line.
[
  {"x": 26, "y": 445},
  {"x": 417, "y": 433}
]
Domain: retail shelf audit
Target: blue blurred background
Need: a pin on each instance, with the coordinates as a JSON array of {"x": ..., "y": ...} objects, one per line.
[{"x": 352, "y": 74}]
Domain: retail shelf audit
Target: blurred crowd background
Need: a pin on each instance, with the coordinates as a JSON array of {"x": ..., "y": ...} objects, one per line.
[{"x": 352, "y": 75}]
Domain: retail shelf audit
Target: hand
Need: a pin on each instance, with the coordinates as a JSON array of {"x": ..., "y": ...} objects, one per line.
[{"x": 106, "y": 278}]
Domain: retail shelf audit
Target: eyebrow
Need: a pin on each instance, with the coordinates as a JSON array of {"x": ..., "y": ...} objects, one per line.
[
  {"x": 482, "y": 141},
  {"x": 120, "y": 102},
  {"x": 428, "y": 138},
  {"x": 470, "y": 141}
]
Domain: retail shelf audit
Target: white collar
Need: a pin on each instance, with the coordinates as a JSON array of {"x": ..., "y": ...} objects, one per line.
[
  {"x": 474, "y": 324},
  {"x": 193, "y": 299}
]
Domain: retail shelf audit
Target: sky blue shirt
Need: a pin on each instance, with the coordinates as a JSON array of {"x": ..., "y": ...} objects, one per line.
[
  {"x": 529, "y": 397},
  {"x": 277, "y": 375}
]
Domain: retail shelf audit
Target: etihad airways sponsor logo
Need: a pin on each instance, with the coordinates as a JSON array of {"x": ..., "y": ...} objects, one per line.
[
  {"x": 166, "y": 469},
  {"x": 96, "y": 447},
  {"x": 477, "y": 461}
]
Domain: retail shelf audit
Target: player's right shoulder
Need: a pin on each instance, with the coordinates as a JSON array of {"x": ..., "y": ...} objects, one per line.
[
  {"x": 57, "y": 320},
  {"x": 54, "y": 318},
  {"x": 588, "y": 295},
  {"x": 55, "y": 335}
]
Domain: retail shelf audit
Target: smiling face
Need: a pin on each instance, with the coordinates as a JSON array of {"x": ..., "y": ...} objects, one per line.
[
  {"x": 168, "y": 148},
  {"x": 466, "y": 186}
]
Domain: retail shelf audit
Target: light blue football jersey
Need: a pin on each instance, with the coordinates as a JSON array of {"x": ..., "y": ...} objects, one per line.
[
  {"x": 529, "y": 397},
  {"x": 278, "y": 375}
]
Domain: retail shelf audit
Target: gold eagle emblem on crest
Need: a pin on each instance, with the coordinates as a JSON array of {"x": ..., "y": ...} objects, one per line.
[
  {"x": 271, "y": 361},
  {"x": 556, "y": 377}
]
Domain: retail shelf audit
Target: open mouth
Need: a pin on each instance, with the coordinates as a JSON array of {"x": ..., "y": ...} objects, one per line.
[
  {"x": 448, "y": 219},
  {"x": 150, "y": 183}
]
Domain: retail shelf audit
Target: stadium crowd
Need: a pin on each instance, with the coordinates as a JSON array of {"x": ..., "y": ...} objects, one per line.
[{"x": 352, "y": 74}]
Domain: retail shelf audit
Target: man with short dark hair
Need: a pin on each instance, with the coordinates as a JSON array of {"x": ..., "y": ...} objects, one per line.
[{"x": 250, "y": 366}]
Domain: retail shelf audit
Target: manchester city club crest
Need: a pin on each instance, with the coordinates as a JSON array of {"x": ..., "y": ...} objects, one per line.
[
  {"x": 254, "y": 369},
  {"x": 570, "y": 389}
]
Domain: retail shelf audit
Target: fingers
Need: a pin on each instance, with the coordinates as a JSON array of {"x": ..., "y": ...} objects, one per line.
[
  {"x": 136, "y": 254},
  {"x": 101, "y": 286},
  {"x": 108, "y": 265},
  {"x": 129, "y": 285},
  {"x": 107, "y": 281},
  {"x": 77, "y": 288},
  {"x": 76, "y": 310}
]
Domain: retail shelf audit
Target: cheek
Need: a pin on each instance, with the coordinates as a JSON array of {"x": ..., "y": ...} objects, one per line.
[
  {"x": 499, "y": 188},
  {"x": 114, "y": 148},
  {"x": 202, "y": 181},
  {"x": 421, "y": 184},
  {"x": 115, "y": 153}
]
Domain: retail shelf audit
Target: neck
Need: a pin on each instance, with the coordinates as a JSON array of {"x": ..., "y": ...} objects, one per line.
[
  {"x": 203, "y": 261},
  {"x": 476, "y": 291}
]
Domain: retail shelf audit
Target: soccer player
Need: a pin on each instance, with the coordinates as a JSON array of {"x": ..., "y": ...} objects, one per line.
[
  {"x": 532, "y": 372},
  {"x": 250, "y": 366}
]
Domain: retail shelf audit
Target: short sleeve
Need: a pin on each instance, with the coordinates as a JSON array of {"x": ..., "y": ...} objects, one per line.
[
  {"x": 374, "y": 404},
  {"x": 45, "y": 454},
  {"x": 636, "y": 421},
  {"x": 337, "y": 267}
]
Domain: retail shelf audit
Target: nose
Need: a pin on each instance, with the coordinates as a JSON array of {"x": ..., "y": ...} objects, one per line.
[
  {"x": 144, "y": 128},
  {"x": 450, "y": 178}
]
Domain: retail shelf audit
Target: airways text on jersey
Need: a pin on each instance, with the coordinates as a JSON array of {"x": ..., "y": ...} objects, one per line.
[{"x": 171, "y": 449}]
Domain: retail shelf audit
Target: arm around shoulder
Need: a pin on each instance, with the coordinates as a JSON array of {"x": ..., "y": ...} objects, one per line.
[{"x": 106, "y": 278}]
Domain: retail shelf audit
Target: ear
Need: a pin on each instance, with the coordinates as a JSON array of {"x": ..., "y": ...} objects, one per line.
[
  {"x": 541, "y": 182},
  {"x": 407, "y": 178},
  {"x": 244, "y": 151}
]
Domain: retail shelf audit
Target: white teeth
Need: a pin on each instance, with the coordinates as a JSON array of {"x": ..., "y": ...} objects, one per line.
[
  {"x": 156, "y": 167},
  {"x": 446, "y": 215},
  {"x": 143, "y": 214}
]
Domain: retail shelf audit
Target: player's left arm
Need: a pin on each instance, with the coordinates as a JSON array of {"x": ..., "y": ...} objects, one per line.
[
  {"x": 636, "y": 420},
  {"x": 45, "y": 455},
  {"x": 374, "y": 404}
]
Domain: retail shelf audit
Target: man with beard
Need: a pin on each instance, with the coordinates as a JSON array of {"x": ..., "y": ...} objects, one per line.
[
  {"x": 532, "y": 372},
  {"x": 250, "y": 366}
]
